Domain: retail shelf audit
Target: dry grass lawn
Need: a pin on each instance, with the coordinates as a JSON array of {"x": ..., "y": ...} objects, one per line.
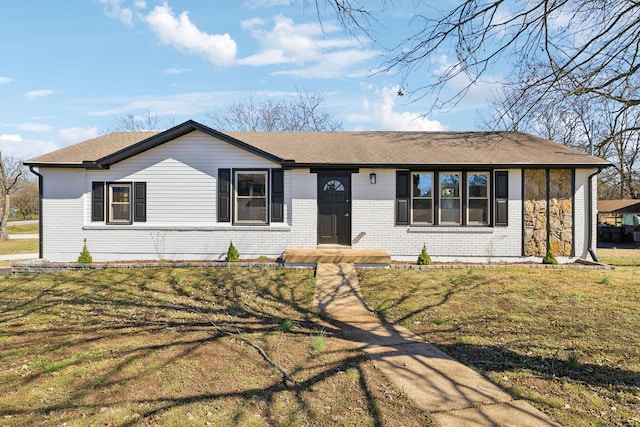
[
  {"x": 127, "y": 347},
  {"x": 566, "y": 340}
]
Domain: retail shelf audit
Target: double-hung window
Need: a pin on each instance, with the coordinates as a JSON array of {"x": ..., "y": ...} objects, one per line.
[
  {"x": 251, "y": 197},
  {"x": 118, "y": 202},
  {"x": 422, "y": 198},
  {"x": 478, "y": 198},
  {"x": 119, "y": 207},
  {"x": 450, "y": 197}
]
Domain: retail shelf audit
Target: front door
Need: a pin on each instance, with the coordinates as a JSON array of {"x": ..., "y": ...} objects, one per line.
[{"x": 334, "y": 209}]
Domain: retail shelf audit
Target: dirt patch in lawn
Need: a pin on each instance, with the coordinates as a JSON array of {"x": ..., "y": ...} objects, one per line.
[{"x": 151, "y": 346}]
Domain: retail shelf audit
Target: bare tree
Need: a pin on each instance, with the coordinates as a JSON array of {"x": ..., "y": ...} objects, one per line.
[
  {"x": 265, "y": 113},
  {"x": 25, "y": 199},
  {"x": 574, "y": 47},
  {"x": 134, "y": 123},
  {"x": 594, "y": 124},
  {"x": 11, "y": 171}
]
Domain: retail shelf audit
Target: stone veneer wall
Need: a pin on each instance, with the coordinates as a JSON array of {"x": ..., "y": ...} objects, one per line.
[{"x": 559, "y": 203}]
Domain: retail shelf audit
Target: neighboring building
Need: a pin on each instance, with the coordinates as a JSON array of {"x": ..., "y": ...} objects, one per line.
[{"x": 186, "y": 193}]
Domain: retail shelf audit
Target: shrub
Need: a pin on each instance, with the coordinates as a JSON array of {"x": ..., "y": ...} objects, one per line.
[
  {"x": 85, "y": 257},
  {"x": 549, "y": 258},
  {"x": 424, "y": 258},
  {"x": 232, "y": 254}
]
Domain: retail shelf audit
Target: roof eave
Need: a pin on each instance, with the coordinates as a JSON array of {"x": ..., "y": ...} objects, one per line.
[{"x": 438, "y": 166}]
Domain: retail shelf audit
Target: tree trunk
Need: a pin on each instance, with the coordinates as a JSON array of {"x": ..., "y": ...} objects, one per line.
[{"x": 4, "y": 226}]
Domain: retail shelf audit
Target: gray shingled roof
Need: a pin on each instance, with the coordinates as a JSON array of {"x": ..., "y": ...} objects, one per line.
[{"x": 347, "y": 148}]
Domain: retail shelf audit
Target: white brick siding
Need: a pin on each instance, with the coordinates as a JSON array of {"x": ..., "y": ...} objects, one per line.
[{"x": 181, "y": 178}]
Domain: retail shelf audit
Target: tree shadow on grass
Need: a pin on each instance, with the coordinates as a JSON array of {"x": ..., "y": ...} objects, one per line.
[
  {"x": 495, "y": 358},
  {"x": 86, "y": 341}
]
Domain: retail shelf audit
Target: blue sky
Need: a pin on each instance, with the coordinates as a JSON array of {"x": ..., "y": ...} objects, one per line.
[{"x": 68, "y": 71}]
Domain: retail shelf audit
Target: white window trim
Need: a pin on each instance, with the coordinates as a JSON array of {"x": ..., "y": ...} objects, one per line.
[
  {"x": 236, "y": 197},
  {"x": 111, "y": 203}
]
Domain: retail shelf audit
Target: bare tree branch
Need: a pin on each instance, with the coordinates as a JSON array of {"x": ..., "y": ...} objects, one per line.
[
  {"x": 287, "y": 380},
  {"x": 302, "y": 113}
]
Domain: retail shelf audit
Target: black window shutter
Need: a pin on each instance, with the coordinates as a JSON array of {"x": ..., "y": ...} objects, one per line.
[
  {"x": 97, "y": 201},
  {"x": 224, "y": 195},
  {"x": 140, "y": 202},
  {"x": 403, "y": 197},
  {"x": 277, "y": 195},
  {"x": 502, "y": 198}
]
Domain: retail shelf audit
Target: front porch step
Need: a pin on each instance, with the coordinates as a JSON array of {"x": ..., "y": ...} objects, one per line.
[{"x": 336, "y": 255}]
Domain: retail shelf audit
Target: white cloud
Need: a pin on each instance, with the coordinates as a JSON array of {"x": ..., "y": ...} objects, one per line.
[
  {"x": 181, "y": 33},
  {"x": 114, "y": 9},
  {"x": 38, "y": 94},
  {"x": 23, "y": 149},
  {"x": 10, "y": 138},
  {"x": 176, "y": 70},
  {"x": 74, "y": 135},
  {"x": 381, "y": 114},
  {"x": 254, "y": 4},
  {"x": 347, "y": 63},
  {"x": 306, "y": 45},
  {"x": 185, "y": 104},
  {"x": 34, "y": 127},
  {"x": 5, "y": 80}
]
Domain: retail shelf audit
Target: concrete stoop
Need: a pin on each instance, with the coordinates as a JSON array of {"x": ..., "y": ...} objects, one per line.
[{"x": 451, "y": 392}]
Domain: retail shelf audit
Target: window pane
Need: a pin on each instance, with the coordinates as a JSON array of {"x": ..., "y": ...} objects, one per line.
[
  {"x": 120, "y": 212},
  {"x": 333, "y": 185},
  {"x": 422, "y": 184},
  {"x": 450, "y": 211},
  {"x": 450, "y": 185},
  {"x": 120, "y": 194},
  {"x": 478, "y": 211},
  {"x": 422, "y": 211},
  {"x": 252, "y": 184},
  {"x": 252, "y": 209},
  {"x": 478, "y": 184}
]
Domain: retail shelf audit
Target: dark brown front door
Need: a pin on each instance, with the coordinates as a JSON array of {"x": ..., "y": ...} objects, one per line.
[{"x": 334, "y": 209}]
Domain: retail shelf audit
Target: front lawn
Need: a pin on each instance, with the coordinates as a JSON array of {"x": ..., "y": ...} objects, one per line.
[
  {"x": 566, "y": 340},
  {"x": 19, "y": 246},
  {"x": 126, "y": 347}
]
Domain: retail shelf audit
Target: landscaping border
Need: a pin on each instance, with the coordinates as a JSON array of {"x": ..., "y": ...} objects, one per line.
[{"x": 40, "y": 266}]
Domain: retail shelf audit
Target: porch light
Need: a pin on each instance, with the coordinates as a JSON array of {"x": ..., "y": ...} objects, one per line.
[{"x": 372, "y": 178}]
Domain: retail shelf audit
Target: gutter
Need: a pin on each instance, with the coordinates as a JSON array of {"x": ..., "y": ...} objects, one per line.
[
  {"x": 592, "y": 252},
  {"x": 40, "y": 194}
]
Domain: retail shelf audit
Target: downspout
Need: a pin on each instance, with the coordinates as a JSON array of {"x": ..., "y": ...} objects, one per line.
[
  {"x": 40, "y": 193},
  {"x": 592, "y": 252}
]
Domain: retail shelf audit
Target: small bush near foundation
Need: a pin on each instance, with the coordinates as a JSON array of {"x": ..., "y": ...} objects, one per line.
[
  {"x": 85, "y": 256},
  {"x": 232, "y": 254},
  {"x": 549, "y": 258},
  {"x": 424, "y": 258}
]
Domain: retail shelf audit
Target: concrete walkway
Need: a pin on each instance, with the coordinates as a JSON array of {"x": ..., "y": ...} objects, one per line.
[{"x": 452, "y": 393}]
